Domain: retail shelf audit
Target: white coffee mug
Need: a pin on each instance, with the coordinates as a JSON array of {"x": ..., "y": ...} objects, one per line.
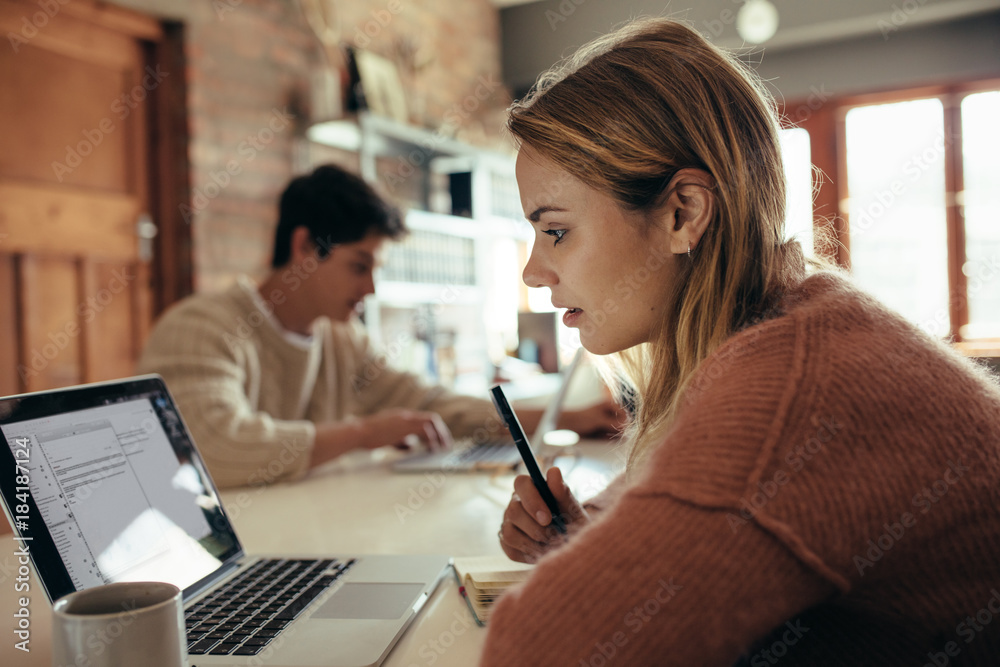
[{"x": 118, "y": 625}]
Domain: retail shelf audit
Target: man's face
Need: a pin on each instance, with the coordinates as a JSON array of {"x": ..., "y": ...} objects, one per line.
[{"x": 342, "y": 280}]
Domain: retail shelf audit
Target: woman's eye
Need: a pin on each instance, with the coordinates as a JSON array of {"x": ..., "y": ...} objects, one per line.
[{"x": 557, "y": 233}]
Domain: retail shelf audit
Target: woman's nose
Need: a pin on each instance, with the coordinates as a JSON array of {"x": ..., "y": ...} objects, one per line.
[{"x": 536, "y": 273}]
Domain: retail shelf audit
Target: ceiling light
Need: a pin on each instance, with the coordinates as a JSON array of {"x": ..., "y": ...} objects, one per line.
[{"x": 757, "y": 21}]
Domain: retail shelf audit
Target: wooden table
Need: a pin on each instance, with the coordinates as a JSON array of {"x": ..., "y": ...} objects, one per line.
[{"x": 356, "y": 505}]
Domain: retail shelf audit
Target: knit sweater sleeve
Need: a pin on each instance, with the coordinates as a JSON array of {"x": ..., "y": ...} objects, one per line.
[
  {"x": 210, "y": 370},
  {"x": 682, "y": 584},
  {"x": 378, "y": 386}
]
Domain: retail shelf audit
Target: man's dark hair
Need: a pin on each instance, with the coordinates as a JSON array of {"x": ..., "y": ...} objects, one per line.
[{"x": 336, "y": 207}]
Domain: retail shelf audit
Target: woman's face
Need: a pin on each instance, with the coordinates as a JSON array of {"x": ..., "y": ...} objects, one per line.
[{"x": 609, "y": 267}]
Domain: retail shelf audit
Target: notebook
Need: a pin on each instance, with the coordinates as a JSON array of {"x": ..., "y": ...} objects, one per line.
[
  {"x": 483, "y": 579},
  {"x": 105, "y": 484},
  {"x": 492, "y": 455}
]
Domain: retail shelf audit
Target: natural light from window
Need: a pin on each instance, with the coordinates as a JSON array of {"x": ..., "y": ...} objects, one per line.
[
  {"x": 897, "y": 215},
  {"x": 981, "y": 199},
  {"x": 797, "y": 159}
]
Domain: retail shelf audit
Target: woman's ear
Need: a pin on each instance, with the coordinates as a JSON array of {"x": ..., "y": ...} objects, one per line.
[{"x": 689, "y": 208}]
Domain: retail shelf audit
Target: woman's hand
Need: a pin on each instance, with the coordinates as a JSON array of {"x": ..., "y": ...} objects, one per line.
[{"x": 527, "y": 531}]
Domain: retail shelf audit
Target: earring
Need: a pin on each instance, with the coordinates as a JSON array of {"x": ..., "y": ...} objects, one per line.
[{"x": 689, "y": 250}]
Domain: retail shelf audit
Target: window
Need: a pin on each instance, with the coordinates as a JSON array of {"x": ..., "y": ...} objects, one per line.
[
  {"x": 898, "y": 221},
  {"x": 799, "y": 190},
  {"x": 912, "y": 181},
  {"x": 981, "y": 203}
]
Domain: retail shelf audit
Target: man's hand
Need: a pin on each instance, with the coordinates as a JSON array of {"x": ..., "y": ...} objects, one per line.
[
  {"x": 604, "y": 418},
  {"x": 398, "y": 426}
]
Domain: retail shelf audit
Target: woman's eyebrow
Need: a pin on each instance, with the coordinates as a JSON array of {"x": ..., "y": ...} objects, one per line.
[{"x": 537, "y": 213}]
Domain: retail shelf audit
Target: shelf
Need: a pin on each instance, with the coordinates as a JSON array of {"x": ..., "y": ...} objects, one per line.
[
  {"x": 384, "y": 136},
  {"x": 393, "y": 293},
  {"x": 454, "y": 225}
]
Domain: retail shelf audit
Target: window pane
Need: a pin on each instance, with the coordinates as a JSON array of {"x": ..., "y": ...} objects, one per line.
[
  {"x": 898, "y": 225},
  {"x": 799, "y": 194},
  {"x": 980, "y": 147}
]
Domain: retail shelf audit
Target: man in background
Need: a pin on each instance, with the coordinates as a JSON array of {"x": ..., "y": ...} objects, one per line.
[{"x": 273, "y": 379}]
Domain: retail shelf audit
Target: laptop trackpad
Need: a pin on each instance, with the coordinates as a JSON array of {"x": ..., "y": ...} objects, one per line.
[{"x": 385, "y": 601}]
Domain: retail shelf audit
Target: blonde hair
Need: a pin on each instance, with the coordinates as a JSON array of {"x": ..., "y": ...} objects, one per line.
[{"x": 624, "y": 115}]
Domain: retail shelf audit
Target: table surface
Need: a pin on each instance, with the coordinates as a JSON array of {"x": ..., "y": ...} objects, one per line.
[{"x": 352, "y": 506}]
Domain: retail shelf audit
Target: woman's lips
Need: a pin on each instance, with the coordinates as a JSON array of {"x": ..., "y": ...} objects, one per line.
[{"x": 571, "y": 316}]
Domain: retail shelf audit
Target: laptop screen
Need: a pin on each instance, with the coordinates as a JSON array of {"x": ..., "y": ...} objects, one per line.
[{"x": 103, "y": 484}]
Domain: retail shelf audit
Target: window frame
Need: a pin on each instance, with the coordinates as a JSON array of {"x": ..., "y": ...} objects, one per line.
[{"x": 826, "y": 123}]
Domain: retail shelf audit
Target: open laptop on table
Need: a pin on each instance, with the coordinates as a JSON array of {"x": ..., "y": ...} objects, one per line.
[
  {"x": 115, "y": 490},
  {"x": 492, "y": 455}
]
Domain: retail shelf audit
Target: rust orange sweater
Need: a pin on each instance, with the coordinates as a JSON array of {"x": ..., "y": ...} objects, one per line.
[{"x": 828, "y": 495}]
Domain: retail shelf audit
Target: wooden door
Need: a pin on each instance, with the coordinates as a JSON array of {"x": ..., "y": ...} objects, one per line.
[{"x": 75, "y": 99}]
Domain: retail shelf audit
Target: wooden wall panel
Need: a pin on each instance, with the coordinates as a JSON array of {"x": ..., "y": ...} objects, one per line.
[
  {"x": 109, "y": 343},
  {"x": 80, "y": 129},
  {"x": 40, "y": 218},
  {"x": 50, "y": 344},
  {"x": 10, "y": 382}
]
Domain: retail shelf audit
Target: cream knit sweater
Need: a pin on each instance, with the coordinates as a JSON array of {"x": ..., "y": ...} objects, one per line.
[
  {"x": 829, "y": 494},
  {"x": 251, "y": 397}
]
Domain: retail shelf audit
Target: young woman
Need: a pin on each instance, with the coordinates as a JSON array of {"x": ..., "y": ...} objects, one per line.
[{"x": 812, "y": 479}]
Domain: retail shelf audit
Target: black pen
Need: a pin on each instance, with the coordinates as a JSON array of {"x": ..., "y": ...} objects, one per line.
[{"x": 514, "y": 426}]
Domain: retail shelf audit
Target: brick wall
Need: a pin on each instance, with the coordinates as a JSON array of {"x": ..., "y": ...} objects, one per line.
[{"x": 247, "y": 73}]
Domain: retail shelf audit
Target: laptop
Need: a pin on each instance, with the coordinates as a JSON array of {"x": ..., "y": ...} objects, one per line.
[
  {"x": 492, "y": 455},
  {"x": 105, "y": 484}
]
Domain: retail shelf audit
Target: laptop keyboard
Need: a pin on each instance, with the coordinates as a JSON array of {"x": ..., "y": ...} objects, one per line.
[
  {"x": 243, "y": 616},
  {"x": 493, "y": 452}
]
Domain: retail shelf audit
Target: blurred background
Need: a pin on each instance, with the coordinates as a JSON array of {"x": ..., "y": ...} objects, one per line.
[{"x": 146, "y": 143}]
